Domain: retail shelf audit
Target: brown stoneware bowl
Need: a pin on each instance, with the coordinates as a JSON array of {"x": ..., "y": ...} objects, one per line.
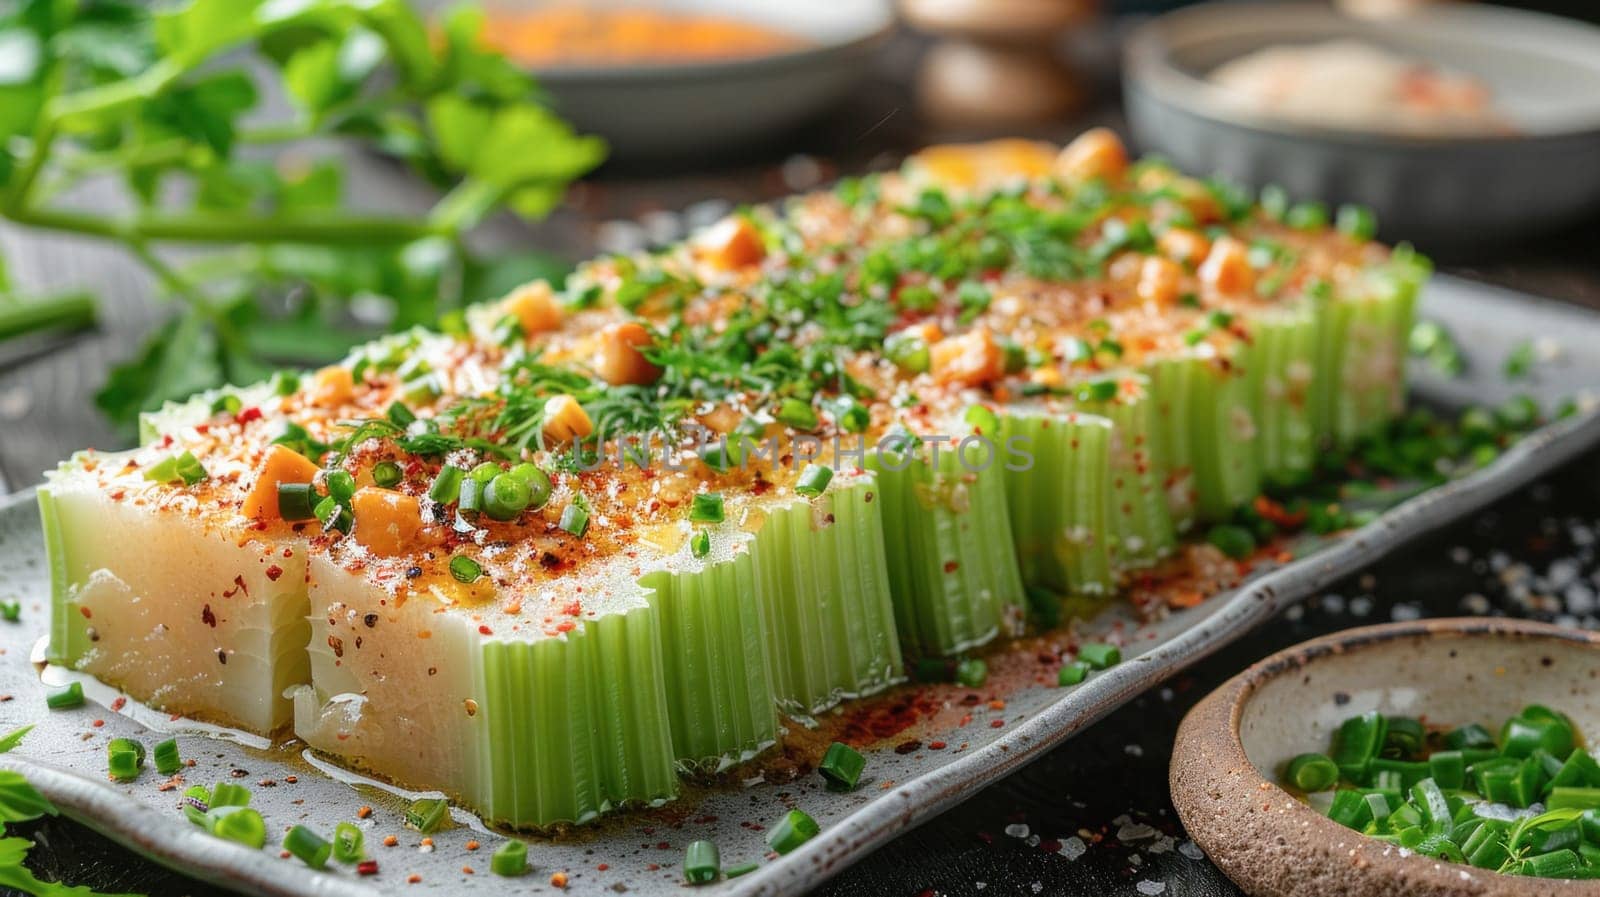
[{"x": 1455, "y": 671}]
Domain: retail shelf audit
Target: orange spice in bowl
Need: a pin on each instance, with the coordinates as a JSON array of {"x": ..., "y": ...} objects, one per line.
[{"x": 567, "y": 34}]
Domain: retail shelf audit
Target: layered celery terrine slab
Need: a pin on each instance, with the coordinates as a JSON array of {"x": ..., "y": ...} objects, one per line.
[{"x": 578, "y": 543}]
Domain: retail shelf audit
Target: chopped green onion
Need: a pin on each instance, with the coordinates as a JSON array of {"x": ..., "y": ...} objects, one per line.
[
  {"x": 196, "y": 801},
  {"x": 285, "y": 383},
  {"x": 387, "y": 474},
  {"x": 341, "y": 485},
  {"x": 295, "y": 502},
  {"x": 347, "y": 843},
  {"x": 11, "y": 611},
  {"x": 333, "y": 515},
  {"x": 124, "y": 758},
  {"x": 797, "y": 414},
  {"x": 447, "y": 485},
  {"x": 841, "y": 766},
  {"x": 983, "y": 420},
  {"x": 1404, "y": 737},
  {"x": 972, "y": 672},
  {"x": 510, "y": 859},
  {"x": 167, "y": 759},
  {"x": 1312, "y": 772},
  {"x": 185, "y": 467},
  {"x": 814, "y": 481},
  {"x": 701, "y": 862},
  {"x": 506, "y": 497},
  {"x": 700, "y": 543},
  {"x": 1098, "y": 391},
  {"x": 471, "y": 495},
  {"x": 537, "y": 481},
  {"x": 575, "y": 517},
  {"x": 485, "y": 472},
  {"x": 427, "y": 814},
  {"x": 1307, "y": 216},
  {"x": 1234, "y": 541},
  {"x": 307, "y": 846},
  {"x": 400, "y": 415},
  {"x": 1099, "y": 655},
  {"x": 793, "y": 830},
  {"x": 1357, "y": 221},
  {"x": 1072, "y": 673},
  {"x": 853, "y": 417},
  {"x": 1574, "y": 799},
  {"x": 240, "y": 825},
  {"x": 65, "y": 697},
  {"x": 465, "y": 569},
  {"x": 706, "y": 507},
  {"x": 227, "y": 794},
  {"x": 741, "y": 869}
]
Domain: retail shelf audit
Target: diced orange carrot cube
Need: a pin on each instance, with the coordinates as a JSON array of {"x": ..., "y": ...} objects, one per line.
[
  {"x": 333, "y": 386},
  {"x": 387, "y": 522},
  {"x": 280, "y": 465},
  {"x": 970, "y": 359},
  {"x": 618, "y": 359},
  {"x": 731, "y": 244},
  {"x": 535, "y": 307}
]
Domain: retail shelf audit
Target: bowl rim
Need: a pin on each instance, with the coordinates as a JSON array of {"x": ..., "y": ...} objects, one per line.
[
  {"x": 1148, "y": 67},
  {"x": 558, "y": 76},
  {"x": 1211, "y": 770}
]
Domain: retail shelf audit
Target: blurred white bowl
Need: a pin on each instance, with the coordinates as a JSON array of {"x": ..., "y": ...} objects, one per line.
[{"x": 683, "y": 108}]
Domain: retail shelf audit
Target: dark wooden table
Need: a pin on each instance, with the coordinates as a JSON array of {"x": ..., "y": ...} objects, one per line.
[{"x": 1092, "y": 817}]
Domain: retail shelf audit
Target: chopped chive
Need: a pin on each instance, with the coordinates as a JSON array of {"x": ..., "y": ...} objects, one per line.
[
  {"x": 485, "y": 472},
  {"x": 400, "y": 415},
  {"x": 348, "y": 841},
  {"x": 1357, "y": 221},
  {"x": 1307, "y": 216},
  {"x": 167, "y": 759},
  {"x": 1234, "y": 541},
  {"x": 506, "y": 497},
  {"x": 972, "y": 672},
  {"x": 387, "y": 474},
  {"x": 196, "y": 801},
  {"x": 741, "y": 869},
  {"x": 163, "y": 471},
  {"x": 797, "y": 414},
  {"x": 447, "y": 485},
  {"x": 510, "y": 859},
  {"x": 307, "y": 846},
  {"x": 11, "y": 611},
  {"x": 793, "y": 830},
  {"x": 701, "y": 862},
  {"x": 465, "y": 569},
  {"x": 841, "y": 766},
  {"x": 227, "y": 794},
  {"x": 1312, "y": 772},
  {"x": 700, "y": 543},
  {"x": 1404, "y": 737},
  {"x": 334, "y": 516},
  {"x": 427, "y": 814},
  {"x": 537, "y": 481},
  {"x": 814, "y": 481},
  {"x": 295, "y": 502},
  {"x": 285, "y": 383},
  {"x": 1072, "y": 673},
  {"x": 124, "y": 758},
  {"x": 1099, "y": 655},
  {"x": 65, "y": 697},
  {"x": 575, "y": 516},
  {"x": 471, "y": 496},
  {"x": 706, "y": 507},
  {"x": 1098, "y": 391},
  {"x": 240, "y": 825},
  {"x": 341, "y": 485},
  {"x": 853, "y": 417},
  {"x": 190, "y": 469}
]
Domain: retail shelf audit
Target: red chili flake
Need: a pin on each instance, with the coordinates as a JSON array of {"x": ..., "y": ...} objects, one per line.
[
  {"x": 908, "y": 747},
  {"x": 98, "y": 723},
  {"x": 937, "y": 745},
  {"x": 413, "y": 878},
  {"x": 566, "y": 626},
  {"x": 467, "y": 870},
  {"x": 247, "y": 415},
  {"x": 119, "y": 703},
  {"x": 364, "y": 812},
  {"x": 573, "y": 609},
  {"x": 390, "y": 840},
  {"x": 207, "y": 617},
  {"x": 951, "y": 566},
  {"x": 291, "y": 779},
  {"x": 485, "y": 630},
  {"x": 367, "y": 867},
  {"x": 85, "y": 611},
  {"x": 273, "y": 572},
  {"x": 996, "y": 723},
  {"x": 602, "y": 867}
]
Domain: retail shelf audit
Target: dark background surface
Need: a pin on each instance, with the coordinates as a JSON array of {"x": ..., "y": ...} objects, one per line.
[{"x": 1111, "y": 780}]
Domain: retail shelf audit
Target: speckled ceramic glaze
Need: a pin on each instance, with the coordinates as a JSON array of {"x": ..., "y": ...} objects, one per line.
[{"x": 1232, "y": 745}]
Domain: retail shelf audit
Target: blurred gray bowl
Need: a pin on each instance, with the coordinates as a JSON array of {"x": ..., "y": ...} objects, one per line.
[
  {"x": 1439, "y": 192},
  {"x": 684, "y": 108}
]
